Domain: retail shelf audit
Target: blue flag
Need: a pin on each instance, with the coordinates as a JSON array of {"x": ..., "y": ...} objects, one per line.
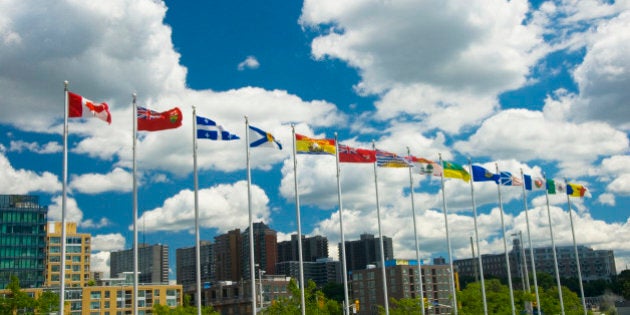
[
  {"x": 481, "y": 174},
  {"x": 208, "y": 129},
  {"x": 260, "y": 138}
]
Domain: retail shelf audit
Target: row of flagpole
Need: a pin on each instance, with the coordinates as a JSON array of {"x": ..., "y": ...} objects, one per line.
[{"x": 101, "y": 111}]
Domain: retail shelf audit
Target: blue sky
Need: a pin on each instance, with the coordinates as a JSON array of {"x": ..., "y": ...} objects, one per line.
[{"x": 540, "y": 86}]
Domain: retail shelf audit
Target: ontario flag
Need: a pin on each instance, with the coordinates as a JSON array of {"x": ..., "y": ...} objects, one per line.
[
  {"x": 150, "y": 120},
  {"x": 79, "y": 106},
  {"x": 354, "y": 155}
]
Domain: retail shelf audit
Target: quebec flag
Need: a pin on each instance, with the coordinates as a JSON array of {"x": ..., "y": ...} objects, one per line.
[{"x": 208, "y": 129}]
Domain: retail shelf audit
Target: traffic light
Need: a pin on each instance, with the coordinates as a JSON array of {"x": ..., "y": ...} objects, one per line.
[
  {"x": 356, "y": 305},
  {"x": 426, "y": 302},
  {"x": 534, "y": 304}
]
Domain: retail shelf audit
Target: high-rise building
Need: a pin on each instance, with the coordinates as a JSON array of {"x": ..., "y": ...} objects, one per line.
[
  {"x": 22, "y": 240},
  {"x": 152, "y": 263},
  {"x": 322, "y": 271},
  {"x": 78, "y": 252},
  {"x": 265, "y": 249},
  {"x": 313, "y": 248},
  {"x": 227, "y": 256},
  {"x": 186, "y": 264},
  {"x": 594, "y": 264},
  {"x": 366, "y": 285},
  {"x": 366, "y": 251}
]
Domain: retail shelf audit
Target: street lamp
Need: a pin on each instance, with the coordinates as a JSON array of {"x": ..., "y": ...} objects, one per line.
[{"x": 260, "y": 289}]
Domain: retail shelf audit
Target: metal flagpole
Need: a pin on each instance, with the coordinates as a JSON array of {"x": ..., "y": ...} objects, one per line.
[
  {"x": 507, "y": 257},
  {"x": 343, "y": 240},
  {"x": 448, "y": 241},
  {"x": 480, "y": 260},
  {"x": 531, "y": 248},
  {"x": 524, "y": 272},
  {"x": 299, "y": 224},
  {"x": 475, "y": 266},
  {"x": 415, "y": 235},
  {"x": 380, "y": 235},
  {"x": 553, "y": 248},
  {"x": 577, "y": 257},
  {"x": 135, "y": 208},
  {"x": 197, "y": 240},
  {"x": 252, "y": 262},
  {"x": 62, "y": 277}
]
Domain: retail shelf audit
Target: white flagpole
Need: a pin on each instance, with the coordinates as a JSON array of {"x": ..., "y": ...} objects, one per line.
[
  {"x": 553, "y": 248},
  {"x": 531, "y": 248},
  {"x": 299, "y": 224},
  {"x": 577, "y": 257},
  {"x": 343, "y": 240},
  {"x": 415, "y": 234},
  {"x": 474, "y": 209},
  {"x": 507, "y": 257},
  {"x": 252, "y": 262},
  {"x": 448, "y": 241},
  {"x": 135, "y": 208},
  {"x": 380, "y": 235},
  {"x": 62, "y": 277},
  {"x": 197, "y": 238}
]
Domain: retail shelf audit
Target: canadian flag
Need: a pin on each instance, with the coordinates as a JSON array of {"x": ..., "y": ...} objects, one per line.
[{"x": 79, "y": 106}]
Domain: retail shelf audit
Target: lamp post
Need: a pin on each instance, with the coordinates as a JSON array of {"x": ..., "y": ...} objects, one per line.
[{"x": 260, "y": 273}]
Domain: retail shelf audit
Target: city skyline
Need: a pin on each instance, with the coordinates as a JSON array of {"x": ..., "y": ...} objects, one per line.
[{"x": 540, "y": 86}]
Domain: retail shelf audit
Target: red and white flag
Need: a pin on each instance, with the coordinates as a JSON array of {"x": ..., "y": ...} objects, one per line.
[{"x": 79, "y": 106}]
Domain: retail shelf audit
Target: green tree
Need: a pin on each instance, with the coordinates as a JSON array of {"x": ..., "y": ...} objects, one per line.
[
  {"x": 315, "y": 300},
  {"x": 17, "y": 300},
  {"x": 403, "y": 306},
  {"x": 186, "y": 309},
  {"x": 498, "y": 299},
  {"x": 47, "y": 302},
  {"x": 550, "y": 304}
]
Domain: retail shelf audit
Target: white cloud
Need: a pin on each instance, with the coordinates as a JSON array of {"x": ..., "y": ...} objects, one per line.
[
  {"x": 118, "y": 180},
  {"x": 50, "y": 147},
  {"x": 606, "y": 199},
  {"x": 621, "y": 185},
  {"x": 99, "y": 262},
  {"x": 108, "y": 242},
  {"x": 447, "y": 61},
  {"x": 102, "y": 246},
  {"x": 529, "y": 135},
  {"x": 24, "y": 181},
  {"x": 73, "y": 213},
  {"x": 223, "y": 207},
  {"x": 603, "y": 76},
  {"x": 74, "y": 41},
  {"x": 249, "y": 63},
  {"x": 121, "y": 41}
]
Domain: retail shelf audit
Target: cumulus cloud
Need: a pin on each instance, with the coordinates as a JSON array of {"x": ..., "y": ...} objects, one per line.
[
  {"x": 102, "y": 246},
  {"x": 20, "y": 181},
  {"x": 603, "y": 75},
  {"x": 223, "y": 207},
  {"x": 446, "y": 64},
  {"x": 249, "y": 63},
  {"x": 47, "y": 148},
  {"x": 73, "y": 213},
  {"x": 117, "y": 39},
  {"x": 117, "y": 180},
  {"x": 529, "y": 135}
]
